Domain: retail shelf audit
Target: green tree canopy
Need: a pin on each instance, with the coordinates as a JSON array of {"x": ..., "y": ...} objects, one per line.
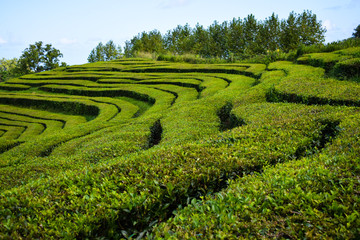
[
  {"x": 7, "y": 68},
  {"x": 39, "y": 58},
  {"x": 356, "y": 34},
  {"x": 106, "y": 52},
  {"x": 239, "y": 37}
]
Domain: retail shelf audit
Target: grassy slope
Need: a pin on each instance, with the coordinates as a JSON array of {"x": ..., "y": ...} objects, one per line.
[{"x": 244, "y": 151}]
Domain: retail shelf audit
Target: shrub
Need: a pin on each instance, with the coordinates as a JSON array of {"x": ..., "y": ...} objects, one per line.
[{"x": 348, "y": 68}]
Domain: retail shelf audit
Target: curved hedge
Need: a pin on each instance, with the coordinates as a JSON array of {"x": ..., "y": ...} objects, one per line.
[{"x": 173, "y": 150}]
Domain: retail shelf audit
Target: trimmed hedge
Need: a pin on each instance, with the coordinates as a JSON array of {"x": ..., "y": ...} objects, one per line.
[
  {"x": 348, "y": 69},
  {"x": 314, "y": 197},
  {"x": 181, "y": 151}
]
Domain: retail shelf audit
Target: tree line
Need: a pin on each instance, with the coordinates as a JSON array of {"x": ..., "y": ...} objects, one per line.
[
  {"x": 36, "y": 58},
  {"x": 238, "y": 37}
]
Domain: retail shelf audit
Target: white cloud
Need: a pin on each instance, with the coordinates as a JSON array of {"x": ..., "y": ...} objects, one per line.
[
  {"x": 2, "y": 41},
  {"x": 68, "y": 41},
  {"x": 329, "y": 25}
]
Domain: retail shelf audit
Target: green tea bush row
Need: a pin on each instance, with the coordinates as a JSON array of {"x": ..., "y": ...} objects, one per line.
[
  {"x": 14, "y": 87},
  {"x": 257, "y": 93},
  {"x": 348, "y": 69},
  {"x": 341, "y": 64},
  {"x": 5, "y": 144},
  {"x": 182, "y": 93},
  {"x": 98, "y": 92},
  {"x": 314, "y": 197},
  {"x": 48, "y": 126},
  {"x": 52, "y": 120},
  {"x": 84, "y": 146},
  {"x": 121, "y": 173},
  {"x": 311, "y": 88},
  {"x": 38, "y": 83},
  {"x": 323, "y": 60},
  {"x": 43, "y": 103},
  {"x": 160, "y": 99},
  {"x": 31, "y": 130},
  {"x": 13, "y": 132},
  {"x": 130, "y": 194},
  {"x": 188, "y": 121}
]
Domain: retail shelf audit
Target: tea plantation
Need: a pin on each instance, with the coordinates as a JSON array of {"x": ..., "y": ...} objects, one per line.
[{"x": 136, "y": 148}]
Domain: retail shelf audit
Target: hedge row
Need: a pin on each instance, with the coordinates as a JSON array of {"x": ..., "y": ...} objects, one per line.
[
  {"x": 160, "y": 99},
  {"x": 348, "y": 69},
  {"x": 343, "y": 64},
  {"x": 14, "y": 87},
  {"x": 303, "y": 85},
  {"x": 72, "y": 107},
  {"x": 52, "y": 120},
  {"x": 30, "y": 131},
  {"x": 118, "y": 176},
  {"x": 13, "y": 132},
  {"x": 313, "y": 197},
  {"x": 128, "y": 195}
]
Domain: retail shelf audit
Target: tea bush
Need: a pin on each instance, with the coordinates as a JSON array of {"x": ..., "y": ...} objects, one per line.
[{"x": 136, "y": 148}]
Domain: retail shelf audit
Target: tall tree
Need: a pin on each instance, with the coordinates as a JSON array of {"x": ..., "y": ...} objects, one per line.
[
  {"x": 37, "y": 58},
  {"x": 179, "y": 40},
  {"x": 200, "y": 41},
  {"x": 51, "y": 57},
  {"x": 218, "y": 39},
  {"x": 289, "y": 37},
  {"x": 356, "y": 34},
  {"x": 310, "y": 29},
  {"x": 272, "y": 32},
  {"x": 111, "y": 52},
  {"x": 106, "y": 52},
  {"x": 301, "y": 29},
  {"x": 155, "y": 42},
  {"x": 8, "y": 68},
  {"x": 250, "y": 33},
  {"x": 235, "y": 36}
]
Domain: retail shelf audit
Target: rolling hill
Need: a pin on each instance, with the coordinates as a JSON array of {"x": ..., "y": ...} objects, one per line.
[{"x": 135, "y": 148}]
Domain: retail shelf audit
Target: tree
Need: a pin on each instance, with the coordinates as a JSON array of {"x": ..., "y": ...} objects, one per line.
[
  {"x": 217, "y": 39},
  {"x": 272, "y": 32},
  {"x": 37, "y": 58},
  {"x": 235, "y": 36},
  {"x": 51, "y": 57},
  {"x": 201, "y": 41},
  {"x": 356, "y": 34},
  {"x": 8, "y": 68},
  {"x": 111, "y": 52},
  {"x": 301, "y": 29},
  {"x": 289, "y": 36},
  {"x": 179, "y": 40},
  {"x": 251, "y": 28},
  {"x": 310, "y": 29},
  {"x": 106, "y": 52}
]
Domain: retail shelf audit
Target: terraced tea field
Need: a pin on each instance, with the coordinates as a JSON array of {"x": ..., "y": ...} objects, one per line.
[{"x": 137, "y": 148}]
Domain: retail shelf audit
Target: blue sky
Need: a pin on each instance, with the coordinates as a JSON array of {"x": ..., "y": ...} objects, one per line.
[{"x": 77, "y": 26}]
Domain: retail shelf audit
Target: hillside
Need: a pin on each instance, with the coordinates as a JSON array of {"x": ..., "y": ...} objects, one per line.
[{"x": 136, "y": 148}]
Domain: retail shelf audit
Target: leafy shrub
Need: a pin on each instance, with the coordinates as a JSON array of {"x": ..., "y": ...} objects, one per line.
[{"x": 348, "y": 68}]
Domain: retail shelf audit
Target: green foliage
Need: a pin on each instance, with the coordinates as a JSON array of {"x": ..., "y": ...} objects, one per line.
[
  {"x": 8, "y": 69},
  {"x": 356, "y": 34},
  {"x": 38, "y": 58},
  {"x": 236, "y": 39},
  {"x": 348, "y": 68},
  {"x": 136, "y": 148},
  {"x": 106, "y": 52},
  {"x": 301, "y": 29},
  {"x": 151, "y": 42}
]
